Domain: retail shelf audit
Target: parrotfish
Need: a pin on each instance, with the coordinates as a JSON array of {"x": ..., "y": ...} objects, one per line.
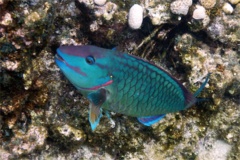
[{"x": 123, "y": 83}]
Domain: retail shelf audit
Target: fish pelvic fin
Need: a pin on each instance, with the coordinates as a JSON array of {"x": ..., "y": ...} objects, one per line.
[
  {"x": 202, "y": 86},
  {"x": 95, "y": 114}
]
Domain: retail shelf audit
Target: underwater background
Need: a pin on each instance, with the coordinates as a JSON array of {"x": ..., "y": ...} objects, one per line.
[{"x": 42, "y": 115}]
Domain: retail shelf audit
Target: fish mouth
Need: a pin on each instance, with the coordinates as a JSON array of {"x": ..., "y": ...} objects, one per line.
[{"x": 59, "y": 58}]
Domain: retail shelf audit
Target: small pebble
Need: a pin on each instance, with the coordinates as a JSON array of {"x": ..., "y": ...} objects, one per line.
[
  {"x": 227, "y": 8},
  {"x": 100, "y": 2},
  {"x": 199, "y": 12},
  {"x": 180, "y": 6},
  {"x": 135, "y": 16}
]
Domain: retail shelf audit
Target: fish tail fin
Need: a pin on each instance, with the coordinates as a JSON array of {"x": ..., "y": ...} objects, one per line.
[{"x": 202, "y": 86}]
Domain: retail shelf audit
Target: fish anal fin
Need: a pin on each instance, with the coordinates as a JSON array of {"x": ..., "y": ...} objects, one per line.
[{"x": 150, "y": 120}]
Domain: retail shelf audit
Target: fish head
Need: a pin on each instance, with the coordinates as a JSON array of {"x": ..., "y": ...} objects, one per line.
[{"x": 86, "y": 67}]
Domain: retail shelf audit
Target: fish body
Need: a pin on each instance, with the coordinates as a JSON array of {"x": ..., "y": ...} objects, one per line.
[{"x": 122, "y": 83}]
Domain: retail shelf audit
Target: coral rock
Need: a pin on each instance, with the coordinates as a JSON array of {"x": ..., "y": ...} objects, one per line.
[
  {"x": 208, "y": 3},
  {"x": 4, "y": 154},
  {"x": 71, "y": 132},
  {"x": 33, "y": 139},
  {"x": 159, "y": 15},
  {"x": 180, "y": 7},
  {"x": 219, "y": 150}
]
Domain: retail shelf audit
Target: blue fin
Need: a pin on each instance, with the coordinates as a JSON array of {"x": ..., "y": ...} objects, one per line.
[
  {"x": 96, "y": 98},
  {"x": 95, "y": 114},
  {"x": 148, "y": 121},
  {"x": 202, "y": 86}
]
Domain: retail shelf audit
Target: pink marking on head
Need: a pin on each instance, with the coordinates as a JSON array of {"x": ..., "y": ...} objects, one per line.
[
  {"x": 76, "y": 69},
  {"x": 97, "y": 87}
]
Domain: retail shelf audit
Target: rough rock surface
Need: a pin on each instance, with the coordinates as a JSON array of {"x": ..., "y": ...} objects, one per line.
[{"x": 42, "y": 116}]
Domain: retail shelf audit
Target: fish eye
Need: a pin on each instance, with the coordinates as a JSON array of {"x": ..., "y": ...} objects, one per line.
[{"x": 90, "y": 60}]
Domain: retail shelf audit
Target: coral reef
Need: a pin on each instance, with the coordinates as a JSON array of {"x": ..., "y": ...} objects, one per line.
[
  {"x": 42, "y": 116},
  {"x": 159, "y": 14}
]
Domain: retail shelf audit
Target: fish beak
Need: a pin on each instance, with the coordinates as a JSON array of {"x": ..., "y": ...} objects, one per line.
[{"x": 59, "y": 57}]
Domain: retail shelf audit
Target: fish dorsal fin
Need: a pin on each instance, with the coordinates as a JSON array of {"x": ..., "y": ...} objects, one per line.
[
  {"x": 150, "y": 120},
  {"x": 96, "y": 98}
]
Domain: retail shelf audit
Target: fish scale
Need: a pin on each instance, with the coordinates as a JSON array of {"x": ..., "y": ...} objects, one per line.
[
  {"x": 119, "y": 82},
  {"x": 146, "y": 84}
]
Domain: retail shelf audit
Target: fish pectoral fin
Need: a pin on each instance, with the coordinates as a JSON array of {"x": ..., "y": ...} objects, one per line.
[
  {"x": 150, "y": 120},
  {"x": 98, "y": 97},
  {"x": 95, "y": 114}
]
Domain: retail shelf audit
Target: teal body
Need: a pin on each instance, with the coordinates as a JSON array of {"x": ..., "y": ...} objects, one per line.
[
  {"x": 142, "y": 89},
  {"x": 122, "y": 83}
]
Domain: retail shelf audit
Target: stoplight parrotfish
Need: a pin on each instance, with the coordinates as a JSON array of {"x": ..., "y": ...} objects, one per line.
[{"x": 123, "y": 83}]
